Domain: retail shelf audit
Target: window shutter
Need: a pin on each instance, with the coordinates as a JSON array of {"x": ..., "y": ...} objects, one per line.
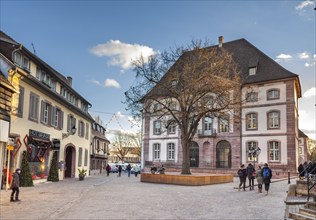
[
  {"x": 42, "y": 110},
  {"x": 69, "y": 121},
  {"x": 53, "y": 116},
  {"x": 61, "y": 120}
]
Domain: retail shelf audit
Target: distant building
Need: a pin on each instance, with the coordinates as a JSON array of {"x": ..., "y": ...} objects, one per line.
[
  {"x": 100, "y": 149},
  {"x": 48, "y": 115},
  {"x": 268, "y": 121}
]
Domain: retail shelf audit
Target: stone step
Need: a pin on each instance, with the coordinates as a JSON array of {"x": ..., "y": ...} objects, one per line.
[
  {"x": 307, "y": 211},
  {"x": 298, "y": 216},
  {"x": 311, "y": 205}
]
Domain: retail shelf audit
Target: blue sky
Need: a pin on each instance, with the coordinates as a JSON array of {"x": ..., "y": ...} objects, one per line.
[{"x": 95, "y": 41}]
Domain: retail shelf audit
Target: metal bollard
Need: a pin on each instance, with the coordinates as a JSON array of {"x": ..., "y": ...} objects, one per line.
[{"x": 288, "y": 177}]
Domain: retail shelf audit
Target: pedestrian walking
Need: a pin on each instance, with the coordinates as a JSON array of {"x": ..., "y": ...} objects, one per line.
[
  {"x": 128, "y": 169},
  {"x": 242, "y": 173},
  {"x": 259, "y": 178},
  {"x": 108, "y": 169},
  {"x": 250, "y": 174},
  {"x": 136, "y": 170},
  {"x": 15, "y": 184},
  {"x": 267, "y": 175},
  {"x": 119, "y": 170}
]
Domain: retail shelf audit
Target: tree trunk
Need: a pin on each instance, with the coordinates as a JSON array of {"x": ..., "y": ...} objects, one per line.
[{"x": 186, "y": 155}]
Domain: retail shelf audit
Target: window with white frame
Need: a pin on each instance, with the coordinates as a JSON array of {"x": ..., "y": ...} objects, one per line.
[
  {"x": 273, "y": 119},
  {"x": 252, "y": 70},
  {"x": 46, "y": 109},
  {"x": 172, "y": 127},
  {"x": 273, "y": 94},
  {"x": 251, "y": 147},
  {"x": 274, "y": 151},
  {"x": 171, "y": 151},
  {"x": 156, "y": 151},
  {"x": 34, "y": 105},
  {"x": 57, "y": 118},
  {"x": 157, "y": 127},
  {"x": 223, "y": 124},
  {"x": 208, "y": 123},
  {"x": 252, "y": 97},
  {"x": 251, "y": 121}
]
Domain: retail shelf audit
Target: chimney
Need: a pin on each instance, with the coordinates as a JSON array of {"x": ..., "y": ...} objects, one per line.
[
  {"x": 220, "y": 41},
  {"x": 69, "y": 80}
]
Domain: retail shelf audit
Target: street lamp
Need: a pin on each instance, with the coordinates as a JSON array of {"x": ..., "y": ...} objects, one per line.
[
  {"x": 255, "y": 154},
  {"x": 71, "y": 132}
]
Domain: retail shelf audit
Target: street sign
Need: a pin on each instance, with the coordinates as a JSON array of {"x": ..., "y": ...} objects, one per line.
[{"x": 10, "y": 147}]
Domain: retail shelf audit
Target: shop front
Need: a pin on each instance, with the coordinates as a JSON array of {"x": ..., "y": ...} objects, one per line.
[{"x": 38, "y": 145}]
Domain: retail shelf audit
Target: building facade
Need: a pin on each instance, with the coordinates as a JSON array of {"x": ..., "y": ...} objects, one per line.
[
  {"x": 265, "y": 130},
  {"x": 100, "y": 149},
  {"x": 48, "y": 116}
]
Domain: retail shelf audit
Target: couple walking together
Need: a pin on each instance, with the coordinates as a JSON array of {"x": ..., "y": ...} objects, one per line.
[{"x": 263, "y": 176}]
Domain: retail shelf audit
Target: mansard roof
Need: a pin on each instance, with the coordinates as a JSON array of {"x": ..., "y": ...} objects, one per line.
[{"x": 246, "y": 56}]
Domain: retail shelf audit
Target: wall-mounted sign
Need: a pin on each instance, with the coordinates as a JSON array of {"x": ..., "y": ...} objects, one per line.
[{"x": 38, "y": 134}]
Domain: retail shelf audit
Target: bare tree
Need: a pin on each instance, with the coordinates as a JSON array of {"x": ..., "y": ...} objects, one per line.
[
  {"x": 183, "y": 85},
  {"x": 124, "y": 144}
]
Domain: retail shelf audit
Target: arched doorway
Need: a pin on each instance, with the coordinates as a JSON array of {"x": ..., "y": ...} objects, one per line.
[
  {"x": 223, "y": 155},
  {"x": 70, "y": 162},
  {"x": 194, "y": 154}
]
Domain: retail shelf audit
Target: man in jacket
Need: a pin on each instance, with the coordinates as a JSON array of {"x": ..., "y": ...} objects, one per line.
[
  {"x": 267, "y": 175},
  {"x": 250, "y": 171},
  {"x": 15, "y": 184}
]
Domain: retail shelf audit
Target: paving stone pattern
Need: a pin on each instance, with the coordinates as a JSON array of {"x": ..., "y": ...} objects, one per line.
[{"x": 102, "y": 197}]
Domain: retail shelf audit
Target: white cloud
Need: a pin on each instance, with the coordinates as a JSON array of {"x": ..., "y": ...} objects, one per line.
[
  {"x": 95, "y": 82},
  {"x": 310, "y": 93},
  {"x": 303, "y": 56},
  {"x": 122, "y": 54},
  {"x": 283, "y": 57},
  {"x": 304, "y": 4},
  {"x": 111, "y": 83}
]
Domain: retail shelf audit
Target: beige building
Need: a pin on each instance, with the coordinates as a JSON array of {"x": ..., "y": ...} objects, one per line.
[{"x": 48, "y": 115}]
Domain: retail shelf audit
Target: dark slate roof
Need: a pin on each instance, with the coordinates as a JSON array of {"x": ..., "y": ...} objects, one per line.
[
  {"x": 301, "y": 134},
  {"x": 247, "y": 55}
]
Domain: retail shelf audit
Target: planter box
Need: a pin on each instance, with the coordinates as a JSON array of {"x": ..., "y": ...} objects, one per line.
[{"x": 188, "y": 180}]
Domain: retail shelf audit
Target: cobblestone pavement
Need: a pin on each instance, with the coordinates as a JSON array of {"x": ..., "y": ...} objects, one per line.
[{"x": 102, "y": 197}]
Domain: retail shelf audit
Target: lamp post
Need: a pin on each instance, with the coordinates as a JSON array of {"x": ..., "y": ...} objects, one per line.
[{"x": 255, "y": 154}]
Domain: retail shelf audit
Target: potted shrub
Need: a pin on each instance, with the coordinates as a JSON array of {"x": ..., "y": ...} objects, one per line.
[{"x": 82, "y": 173}]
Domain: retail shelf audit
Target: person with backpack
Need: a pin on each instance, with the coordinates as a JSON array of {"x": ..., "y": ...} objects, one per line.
[
  {"x": 15, "y": 184},
  {"x": 267, "y": 175},
  {"x": 250, "y": 172},
  {"x": 259, "y": 178},
  {"x": 242, "y": 173}
]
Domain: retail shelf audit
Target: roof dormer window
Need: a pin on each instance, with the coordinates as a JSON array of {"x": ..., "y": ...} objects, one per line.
[{"x": 252, "y": 70}]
